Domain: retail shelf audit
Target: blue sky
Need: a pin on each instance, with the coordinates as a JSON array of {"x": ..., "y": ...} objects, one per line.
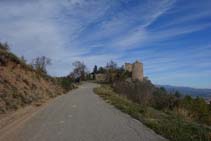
[{"x": 171, "y": 37}]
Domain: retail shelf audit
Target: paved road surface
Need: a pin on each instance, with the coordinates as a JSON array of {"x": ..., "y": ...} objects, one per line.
[{"x": 81, "y": 116}]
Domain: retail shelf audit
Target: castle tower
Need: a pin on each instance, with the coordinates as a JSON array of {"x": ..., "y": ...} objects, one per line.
[
  {"x": 137, "y": 71},
  {"x": 128, "y": 67}
]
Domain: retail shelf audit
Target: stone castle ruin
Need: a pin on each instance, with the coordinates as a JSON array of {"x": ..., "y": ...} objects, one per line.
[
  {"x": 128, "y": 67},
  {"x": 136, "y": 69}
]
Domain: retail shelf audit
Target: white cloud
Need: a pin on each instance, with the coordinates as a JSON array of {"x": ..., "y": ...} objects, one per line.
[
  {"x": 47, "y": 27},
  {"x": 68, "y": 30}
]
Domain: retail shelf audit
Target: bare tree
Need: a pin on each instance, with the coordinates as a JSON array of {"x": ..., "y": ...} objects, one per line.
[
  {"x": 111, "y": 65},
  {"x": 80, "y": 70},
  {"x": 40, "y": 63},
  {"x": 111, "y": 71}
]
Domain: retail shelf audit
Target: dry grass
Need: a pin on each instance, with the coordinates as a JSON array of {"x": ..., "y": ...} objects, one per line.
[
  {"x": 20, "y": 85},
  {"x": 167, "y": 125}
]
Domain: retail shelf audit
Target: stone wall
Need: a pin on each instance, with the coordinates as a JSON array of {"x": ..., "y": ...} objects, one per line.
[
  {"x": 136, "y": 69},
  {"x": 128, "y": 67},
  {"x": 100, "y": 77}
]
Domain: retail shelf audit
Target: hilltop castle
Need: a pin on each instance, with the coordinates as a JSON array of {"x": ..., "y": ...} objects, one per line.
[{"x": 136, "y": 69}]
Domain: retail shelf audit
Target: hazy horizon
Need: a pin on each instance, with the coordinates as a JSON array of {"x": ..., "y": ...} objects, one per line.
[{"x": 170, "y": 37}]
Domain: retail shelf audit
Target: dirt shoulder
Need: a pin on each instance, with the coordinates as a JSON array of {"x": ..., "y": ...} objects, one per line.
[{"x": 13, "y": 119}]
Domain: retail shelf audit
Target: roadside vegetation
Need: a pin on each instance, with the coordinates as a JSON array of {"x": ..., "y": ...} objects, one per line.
[
  {"x": 176, "y": 116},
  {"x": 167, "y": 124},
  {"x": 66, "y": 82},
  {"x": 23, "y": 83},
  {"x": 146, "y": 94}
]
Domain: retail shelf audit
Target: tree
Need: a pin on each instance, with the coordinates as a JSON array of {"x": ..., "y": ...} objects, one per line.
[
  {"x": 111, "y": 65},
  {"x": 23, "y": 59},
  {"x": 111, "y": 71},
  {"x": 40, "y": 64},
  {"x": 177, "y": 94},
  {"x": 80, "y": 70},
  {"x": 101, "y": 70},
  {"x": 163, "y": 89},
  {"x": 4, "y": 46},
  {"x": 95, "y": 69},
  {"x": 199, "y": 107}
]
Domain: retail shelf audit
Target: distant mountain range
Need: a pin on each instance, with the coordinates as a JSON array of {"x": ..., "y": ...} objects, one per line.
[{"x": 206, "y": 93}]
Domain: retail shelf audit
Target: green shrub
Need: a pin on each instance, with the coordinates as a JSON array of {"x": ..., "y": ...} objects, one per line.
[
  {"x": 162, "y": 100},
  {"x": 197, "y": 109},
  {"x": 165, "y": 124},
  {"x": 146, "y": 94},
  {"x": 66, "y": 83},
  {"x": 4, "y": 46},
  {"x": 140, "y": 92}
]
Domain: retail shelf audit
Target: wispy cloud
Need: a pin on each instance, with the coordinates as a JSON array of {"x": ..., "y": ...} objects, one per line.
[{"x": 169, "y": 36}]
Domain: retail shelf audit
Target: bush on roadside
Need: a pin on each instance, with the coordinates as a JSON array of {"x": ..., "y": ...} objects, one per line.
[
  {"x": 146, "y": 94},
  {"x": 168, "y": 125},
  {"x": 197, "y": 109},
  {"x": 66, "y": 83},
  {"x": 162, "y": 100},
  {"x": 140, "y": 92}
]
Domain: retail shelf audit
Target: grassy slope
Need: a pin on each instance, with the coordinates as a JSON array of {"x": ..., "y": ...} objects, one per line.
[
  {"x": 20, "y": 85},
  {"x": 164, "y": 124}
]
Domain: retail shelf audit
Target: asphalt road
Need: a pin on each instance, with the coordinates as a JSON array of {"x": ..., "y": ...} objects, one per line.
[{"x": 81, "y": 116}]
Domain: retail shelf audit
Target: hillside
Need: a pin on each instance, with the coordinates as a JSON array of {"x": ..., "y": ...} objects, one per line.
[
  {"x": 205, "y": 93},
  {"x": 21, "y": 85}
]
